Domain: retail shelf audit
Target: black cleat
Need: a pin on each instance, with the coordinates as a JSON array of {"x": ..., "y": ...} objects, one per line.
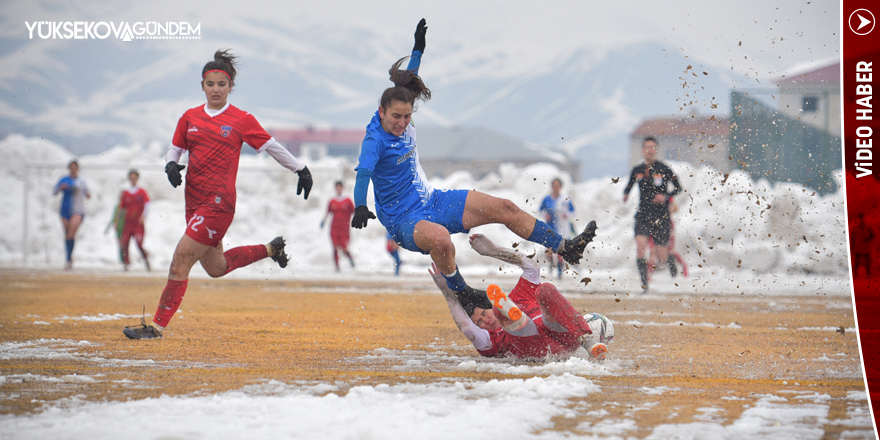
[
  {"x": 280, "y": 256},
  {"x": 573, "y": 250},
  {"x": 142, "y": 331}
]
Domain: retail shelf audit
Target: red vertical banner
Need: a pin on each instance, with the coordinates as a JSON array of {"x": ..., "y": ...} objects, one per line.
[{"x": 861, "y": 155}]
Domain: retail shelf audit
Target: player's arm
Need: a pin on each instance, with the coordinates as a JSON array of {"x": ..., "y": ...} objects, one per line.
[
  {"x": 287, "y": 160},
  {"x": 418, "y": 48},
  {"x": 324, "y": 218},
  {"x": 114, "y": 220},
  {"x": 629, "y": 185},
  {"x": 367, "y": 161},
  {"x": 479, "y": 338},
  {"x": 676, "y": 186}
]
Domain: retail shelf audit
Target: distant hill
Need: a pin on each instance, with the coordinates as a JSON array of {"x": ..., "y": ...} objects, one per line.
[{"x": 95, "y": 95}]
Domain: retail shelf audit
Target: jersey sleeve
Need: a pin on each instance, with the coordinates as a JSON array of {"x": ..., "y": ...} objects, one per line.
[
  {"x": 369, "y": 156},
  {"x": 146, "y": 196},
  {"x": 632, "y": 181},
  {"x": 179, "y": 138},
  {"x": 676, "y": 186},
  {"x": 545, "y": 205},
  {"x": 254, "y": 134}
]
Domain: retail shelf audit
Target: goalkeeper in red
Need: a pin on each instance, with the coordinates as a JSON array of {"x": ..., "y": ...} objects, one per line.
[
  {"x": 213, "y": 135},
  {"x": 534, "y": 320}
]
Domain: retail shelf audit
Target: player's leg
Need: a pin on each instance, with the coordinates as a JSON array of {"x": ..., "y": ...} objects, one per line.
[
  {"x": 218, "y": 263},
  {"x": 435, "y": 240},
  {"x": 560, "y": 264},
  {"x": 124, "y": 240},
  {"x": 139, "y": 241},
  {"x": 661, "y": 240},
  {"x": 344, "y": 247},
  {"x": 641, "y": 261},
  {"x": 72, "y": 226},
  {"x": 335, "y": 255},
  {"x": 481, "y": 209},
  {"x": 567, "y": 326}
]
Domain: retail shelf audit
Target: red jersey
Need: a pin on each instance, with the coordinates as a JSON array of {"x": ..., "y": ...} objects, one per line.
[
  {"x": 342, "y": 209},
  {"x": 214, "y": 146},
  {"x": 524, "y": 295},
  {"x": 132, "y": 202}
]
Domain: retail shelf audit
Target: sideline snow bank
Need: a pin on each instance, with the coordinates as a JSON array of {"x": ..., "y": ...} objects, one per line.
[{"x": 780, "y": 238}]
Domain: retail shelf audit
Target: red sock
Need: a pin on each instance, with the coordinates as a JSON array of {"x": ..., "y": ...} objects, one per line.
[
  {"x": 555, "y": 306},
  {"x": 244, "y": 255},
  {"x": 170, "y": 301}
]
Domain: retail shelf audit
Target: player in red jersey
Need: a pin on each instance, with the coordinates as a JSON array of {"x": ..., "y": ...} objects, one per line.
[
  {"x": 535, "y": 320},
  {"x": 213, "y": 135},
  {"x": 129, "y": 220},
  {"x": 342, "y": 208}
]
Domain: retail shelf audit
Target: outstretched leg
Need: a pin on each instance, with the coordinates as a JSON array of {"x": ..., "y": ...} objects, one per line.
[
  {"x": 481, "y": 209},
  {"x": 562, "y": 318}
]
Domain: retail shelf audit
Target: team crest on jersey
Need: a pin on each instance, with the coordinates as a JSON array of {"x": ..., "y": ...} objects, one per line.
[{"x": 225, "y": 130}]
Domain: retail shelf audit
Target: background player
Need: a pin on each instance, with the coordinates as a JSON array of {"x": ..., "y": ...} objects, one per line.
[
  {"x": 73, "y": 208},
  {"x": 131, "y": 212},
  {"x": 559, "y": 214},
  {"x": 341, "y": 207},
  {"x": 213, "y": 135},
  {"x": 534, "y": 321},
  {"x": 652, "y": 217},
  {"x": 420, "y": 218}
]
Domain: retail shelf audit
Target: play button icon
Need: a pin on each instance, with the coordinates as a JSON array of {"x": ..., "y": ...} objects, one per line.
[{"x": 861, "y": 22}]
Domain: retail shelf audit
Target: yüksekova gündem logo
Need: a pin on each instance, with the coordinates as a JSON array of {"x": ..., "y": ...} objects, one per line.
[{"x": 125, "y": 31}]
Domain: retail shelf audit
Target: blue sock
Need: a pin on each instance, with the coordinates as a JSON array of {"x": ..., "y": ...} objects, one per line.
[
  {"x": 69, "y": 246},
  {"x": 544, "y": 235},
  {"x": 396, "y": 256},
  {"x": 455, "y": 281}
]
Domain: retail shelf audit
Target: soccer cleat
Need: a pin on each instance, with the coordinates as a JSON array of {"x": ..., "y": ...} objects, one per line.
[
  {"x": 280, "y": 256},
  {"x": 142, "y": 331},
  {"x": 502, "y": 303},
  {"x": 573, "y": 250}
]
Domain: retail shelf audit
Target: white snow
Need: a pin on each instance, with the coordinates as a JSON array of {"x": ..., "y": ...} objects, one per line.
[{"x": 737, "y": 236}]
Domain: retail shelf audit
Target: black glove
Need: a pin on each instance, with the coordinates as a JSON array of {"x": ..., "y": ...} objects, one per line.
[
  {"x": 421, "y": 29},
  {"x": 172, "y": 169},
  {"x": 361, "y": 215},
  {"x": 305, "y": 182}
]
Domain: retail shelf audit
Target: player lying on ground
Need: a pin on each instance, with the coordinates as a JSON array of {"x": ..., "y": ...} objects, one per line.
[
  {"x": 419, "y": 217},
  {"x": 213, "y": 134},
  {"x": 535, "y": 320}
]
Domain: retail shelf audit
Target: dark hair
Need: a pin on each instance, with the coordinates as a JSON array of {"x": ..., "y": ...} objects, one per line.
[
  {"x": 407, "y": 86},
  {"x": 223, "y": 61},
  {"x": 72, "y": 162},
  {"x": 652, "y": 139},
  {"x": 556, "y": 180},
  {"x": 134, "y": 171},
  {"x": 471, "y": 299},
  {"x": 338, "y": 183}
]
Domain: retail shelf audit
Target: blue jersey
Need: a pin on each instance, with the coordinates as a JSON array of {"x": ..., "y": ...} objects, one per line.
[
  {"x": 399, "y": 182},
  {"x": 72, "y": 202},
  {"x": 558, "y": 213}
]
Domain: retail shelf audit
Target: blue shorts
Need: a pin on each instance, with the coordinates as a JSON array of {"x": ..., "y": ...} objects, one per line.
[
  {"x": 66, "y": 214},
  {"x": 445, "y": 209}
]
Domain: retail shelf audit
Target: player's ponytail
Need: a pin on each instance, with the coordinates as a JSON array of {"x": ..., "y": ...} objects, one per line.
[
  {"x": 224, "y": 61},
  {"x": 408, "y": 87}
]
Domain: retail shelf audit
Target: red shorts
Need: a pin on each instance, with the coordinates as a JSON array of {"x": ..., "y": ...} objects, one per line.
[
  {"x": 340, "y": 240},
  {"x": 206, "y": 226}
]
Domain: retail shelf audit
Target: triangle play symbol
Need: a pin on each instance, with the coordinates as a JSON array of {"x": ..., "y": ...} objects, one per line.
[{"x": 862, "y": 21}]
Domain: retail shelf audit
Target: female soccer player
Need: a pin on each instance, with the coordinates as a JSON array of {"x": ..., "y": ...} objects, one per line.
[
  {"x": 341, "y": 207},
  {"x": 533, "y": 321},
  {"x": 420, "y": 218},
  {"x": 73, "y": 208},
  {"x": 134, "y": 203},
  {"x": 213, "y": 134}
]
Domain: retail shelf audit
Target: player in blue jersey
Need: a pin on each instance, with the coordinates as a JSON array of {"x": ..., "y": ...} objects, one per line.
[
  {"x": 559, "y": 213},
  {"x": 73, "y": 208},
  {"x": 419, "y": 217}
]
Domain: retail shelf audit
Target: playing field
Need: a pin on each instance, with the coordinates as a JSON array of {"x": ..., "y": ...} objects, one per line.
[{"x": 689, "y": 366}]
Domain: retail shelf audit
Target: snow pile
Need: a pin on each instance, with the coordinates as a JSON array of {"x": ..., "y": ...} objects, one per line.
[{"x": 736, "y": 235}]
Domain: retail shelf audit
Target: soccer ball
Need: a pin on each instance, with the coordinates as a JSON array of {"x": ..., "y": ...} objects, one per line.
[{"x": 601, "y": 326}]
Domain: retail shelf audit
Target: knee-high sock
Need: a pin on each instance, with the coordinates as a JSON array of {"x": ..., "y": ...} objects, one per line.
[
  {"x": 642, "y": 264},
  {"x": 68, "y": 245},
  {"x": 169, "y": 302},
  {"x": 544, "y": 235},
  {"x": 244, "y": 255},
  {"x": 336, "y": 257},
  {"x": 559, "y": 315},
  {"x": 455, "y": 281}
]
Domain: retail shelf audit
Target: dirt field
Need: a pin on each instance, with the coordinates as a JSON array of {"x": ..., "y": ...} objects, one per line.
[{"x": 721, "y": 352}]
